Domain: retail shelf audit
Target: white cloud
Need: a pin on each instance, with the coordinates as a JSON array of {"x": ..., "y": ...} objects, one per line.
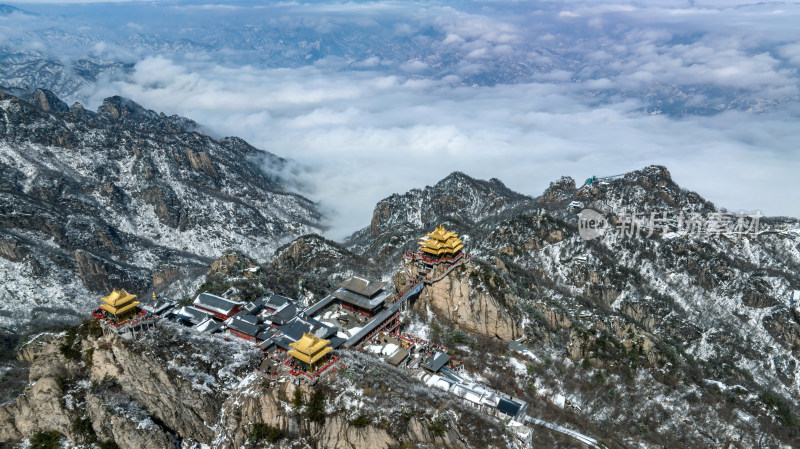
[
  {"x": 522, "y": 92},
  {"x": 366, "y": 135}
]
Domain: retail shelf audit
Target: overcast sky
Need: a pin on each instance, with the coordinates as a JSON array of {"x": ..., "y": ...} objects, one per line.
[{"x": 520, "y": 91}]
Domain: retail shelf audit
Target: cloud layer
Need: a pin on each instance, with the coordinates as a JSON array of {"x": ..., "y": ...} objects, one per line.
[{"x": 380, "y": 97}]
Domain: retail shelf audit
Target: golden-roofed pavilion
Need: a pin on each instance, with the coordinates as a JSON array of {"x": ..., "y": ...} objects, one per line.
[
  {"x": 120, "y": 303},
  {"x": 441, "y": 243},
  {"x": 310, "y": 352}
]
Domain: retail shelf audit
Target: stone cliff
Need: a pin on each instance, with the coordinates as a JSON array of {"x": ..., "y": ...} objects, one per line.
[
  {"x": 470, "y": 297},
  {"x": 174, "y": 386}
]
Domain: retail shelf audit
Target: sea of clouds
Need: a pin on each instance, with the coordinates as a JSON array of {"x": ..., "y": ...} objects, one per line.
[{"x": 374, "y": 98}]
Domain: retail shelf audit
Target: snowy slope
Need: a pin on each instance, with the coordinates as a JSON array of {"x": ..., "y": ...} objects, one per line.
[{"x": 125, "y": 197}]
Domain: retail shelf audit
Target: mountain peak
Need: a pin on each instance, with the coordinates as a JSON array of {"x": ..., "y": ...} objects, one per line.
[
  {"x": 559, "y": 190},
  {"x": 46, "y": 101},
  {"x": 117, "y": 107},
  {"x": 648, "y": 189},
  {"x": 121, "y": 109},
  {"x": 652, "y": 174},
  {"x": 457, "y": 176}
]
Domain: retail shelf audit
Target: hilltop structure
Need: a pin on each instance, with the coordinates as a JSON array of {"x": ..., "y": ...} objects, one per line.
[
  {"x": 440, "y": 244},
  {"x": 121, "y": 314},
  {"x": 439, "y": 252},
  {"x": 310, "y": 352},
  {"x": 120, "y": 305}
]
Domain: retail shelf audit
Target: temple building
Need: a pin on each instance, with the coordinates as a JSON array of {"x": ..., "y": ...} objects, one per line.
[
  {"x": 440, "y": 244},
  {"x": 310, "y": 352},
  {"x": 120, "y": 304},
  {"x": 359, "y": 295},
  {"x": 222, "y": 308}
]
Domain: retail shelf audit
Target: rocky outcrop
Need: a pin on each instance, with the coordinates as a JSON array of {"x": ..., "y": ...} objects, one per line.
[
  {"x": 201, "y": 162},
  {"x": 267, "y": 402},
  {"x": 166, "y": 205},
  {"x": 42, "y": 406},
  {"x": 116, "y": 420},
  {"x": 785, "y": 329},
  {"x": 173, "y": 400},
  {"x": 100, "y": 274},
  {"x": 560, "y": 190},
  {"x": 166, "y": 274},
  {"x": 466, "y": 299},
  {"x": 232, "y": 263},
  {"x": 172, "y": 385},
  {"x": 47, "y": 101},
  {"x": 12, "y": 249}
]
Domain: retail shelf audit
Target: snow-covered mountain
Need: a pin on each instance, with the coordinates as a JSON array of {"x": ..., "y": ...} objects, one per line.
[
  {"x": 457, "y": 199},
  {"x": 662, "y": 319},
  {"x": 125, "y": 197}
]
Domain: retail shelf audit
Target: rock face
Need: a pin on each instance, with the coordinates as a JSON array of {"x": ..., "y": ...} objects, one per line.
[
  {"x": 268, "y": 408},
  {"x": 123, "y": 427},
  {"x": 94, "y": 201},
  {"x": 559, "y": 191},
  {"x": 313, "y": 253},
  {"x": 176, "y": 386},
  {"x": 467, "y": 298}
]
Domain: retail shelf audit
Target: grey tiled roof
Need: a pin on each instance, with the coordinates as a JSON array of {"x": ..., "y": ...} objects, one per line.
[
  {"x": 274, "y": 302},
  {"x": 509, "y": 407},
  {"x": 215, "y": 303},
  {"x": 243, "y": 327},
  {"x": 207, "y": 326},
  {"x": 193, "y": 314},
  {"x": 244, "y": 316},
  {"x": 436, "y": 362},
  {"x": 362, "y": 286},
  {"x": 297, "y": 327},
  {"x": 285, "y": 313},
  {"x": 360, "y": 301}
]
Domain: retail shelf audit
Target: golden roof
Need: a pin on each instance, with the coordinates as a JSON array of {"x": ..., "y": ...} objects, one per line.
[
  {"x": 310, "y": 348},
  {"x": 117, "y": 311},
  {"x": 119, "y": 302},
  {"x": 440, "y": 241},
  {"x": 118, "y": 298},
  {"x": 442, "y": 235}
]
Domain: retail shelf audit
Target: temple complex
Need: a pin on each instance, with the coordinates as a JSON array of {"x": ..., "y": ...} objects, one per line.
[
  {"x": 310, "y": 352},
  {"x": 440, "y": 244}
]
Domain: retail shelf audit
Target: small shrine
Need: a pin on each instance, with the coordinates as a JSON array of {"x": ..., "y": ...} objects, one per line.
[
  {"x": 120, "y": 305},
  {"x": 440, "y": 243},
  {"x": 310, "y": 352}
]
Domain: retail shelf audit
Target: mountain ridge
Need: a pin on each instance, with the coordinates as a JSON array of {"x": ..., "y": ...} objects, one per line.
[{"x": 123, "y": 196}]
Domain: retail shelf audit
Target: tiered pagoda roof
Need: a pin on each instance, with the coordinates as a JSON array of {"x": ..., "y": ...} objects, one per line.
[
  {"x": 440, "y": 242},
  {"x": 119, "y": 303},
  {"x": 310, "y": 349}
]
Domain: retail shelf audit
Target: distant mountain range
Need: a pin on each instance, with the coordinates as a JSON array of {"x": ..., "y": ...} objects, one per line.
[{"x": 68, "y": 60}]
